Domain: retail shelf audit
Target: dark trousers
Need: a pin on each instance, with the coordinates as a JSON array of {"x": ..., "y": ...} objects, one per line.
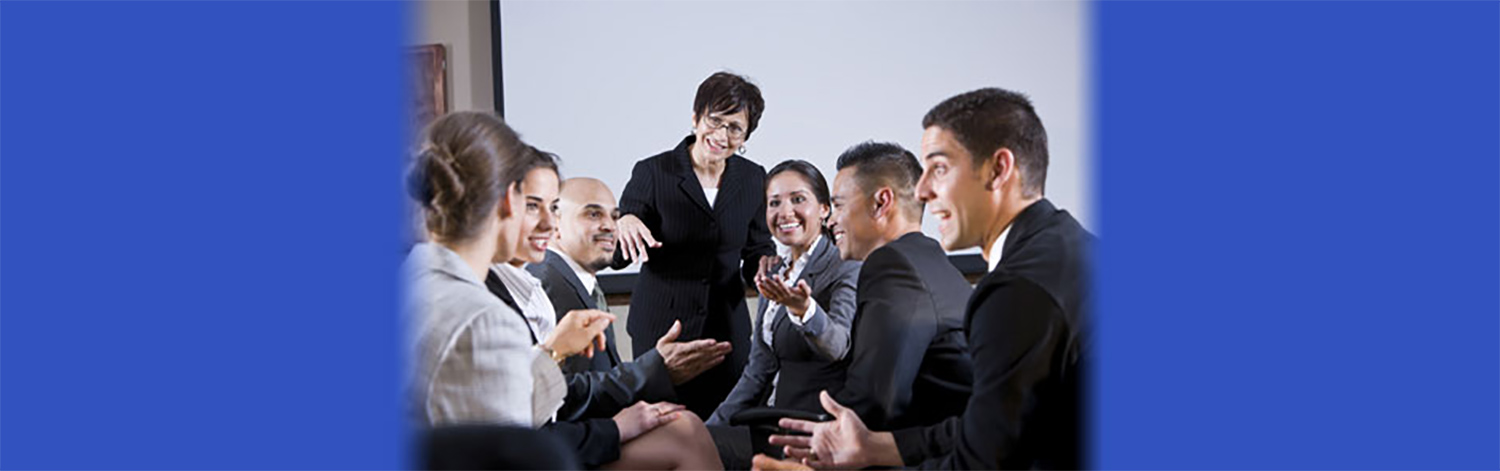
[{"x": 484, "y": 447}]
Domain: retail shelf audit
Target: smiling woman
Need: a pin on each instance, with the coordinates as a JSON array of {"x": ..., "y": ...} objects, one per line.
[{"x": 694, "y": 216}]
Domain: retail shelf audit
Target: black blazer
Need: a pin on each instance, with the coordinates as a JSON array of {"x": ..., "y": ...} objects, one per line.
[
  {"x": 697, "y": 275},
  {"x": 804, "y": 368},
  {"x": 1028, "y": 334},
  {"x": 910, "y": 362},
  {"x": 708, "y": 256}
]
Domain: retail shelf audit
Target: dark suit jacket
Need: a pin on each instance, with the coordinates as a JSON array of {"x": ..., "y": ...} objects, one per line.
[
  {"x": 910, "y": 362},
  {"x": 805, "y": 369},
  {"x": 1027, "y": 333},
  {"x": 566, "y": 292},
  {"x": 696, "y": 275},
  {"x": 585, "y": 420}
]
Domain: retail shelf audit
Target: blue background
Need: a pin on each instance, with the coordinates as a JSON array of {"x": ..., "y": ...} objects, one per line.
[
  {"x": 201, "y": 234},
  {"x": 1299, "y": 264}
]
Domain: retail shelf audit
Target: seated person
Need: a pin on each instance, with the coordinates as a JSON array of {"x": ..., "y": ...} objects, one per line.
[
  {"x": 586, "y": 244},
  {"x": 629, "y": 440},
  {"x": 986, "y": 155},
  {"x": 471, "y": 362},
  {"x": 803, "y": 317}
]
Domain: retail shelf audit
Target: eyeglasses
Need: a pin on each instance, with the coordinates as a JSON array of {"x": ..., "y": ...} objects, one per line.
[{"x": 714, "y": 124}]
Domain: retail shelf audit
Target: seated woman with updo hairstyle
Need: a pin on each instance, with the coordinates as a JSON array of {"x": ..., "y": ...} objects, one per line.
[
  {"x": 474, "y": 360},
  {"x": 606, "y": 431},
  {"x": 477, "y": 359}
]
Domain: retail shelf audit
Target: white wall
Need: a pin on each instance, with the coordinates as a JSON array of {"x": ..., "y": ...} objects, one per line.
[
  {"x": 464, "y": 27},
  {"x": 606, "y": 83}
]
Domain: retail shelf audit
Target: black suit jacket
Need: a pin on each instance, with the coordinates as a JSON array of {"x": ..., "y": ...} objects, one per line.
[
  {"x": 1027, "y": 333},
  {"x": 910, "y": 363},
  {"x": 585, "y": 420},
  {"x": 708, "y": 255},
  {"x": 645, "y": 379}
]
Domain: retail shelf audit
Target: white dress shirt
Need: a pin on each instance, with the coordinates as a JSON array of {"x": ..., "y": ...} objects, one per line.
[
  {"x": 710, "y": 194},
  {"x": 529, "y": 294},
  {"x": 588, "y": 279},
  {"x": 793, "y": 271},
  {"x": 992, "y": 255}
]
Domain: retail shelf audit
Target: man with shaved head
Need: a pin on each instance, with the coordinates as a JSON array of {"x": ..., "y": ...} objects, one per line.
[{"x": 586, "y": 216}]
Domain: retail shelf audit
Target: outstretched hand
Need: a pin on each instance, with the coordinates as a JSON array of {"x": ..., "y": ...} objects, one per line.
[
  {"x": 766, "y": 463},
  {"x": 687, "y": 360},
  {"x": 772, "y": 285},
  {"x": 843, "y": 443},
  {"x": 634, "y": 237}
]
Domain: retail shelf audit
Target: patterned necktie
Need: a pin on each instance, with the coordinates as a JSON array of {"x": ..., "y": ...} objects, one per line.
[
  {"x": 599, "y": 301},
  {"x": 609, "y": 334}
]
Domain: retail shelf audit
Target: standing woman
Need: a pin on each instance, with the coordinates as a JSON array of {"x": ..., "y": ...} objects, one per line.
[{"x": 695, "y": 217}]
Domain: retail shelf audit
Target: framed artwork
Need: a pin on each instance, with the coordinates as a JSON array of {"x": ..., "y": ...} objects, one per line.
[{"x": 429, "y": 82}]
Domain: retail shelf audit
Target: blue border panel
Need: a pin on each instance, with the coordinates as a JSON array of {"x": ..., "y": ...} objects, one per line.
[
  {"x": 1300, "y": 235},
  {"x": 201, "y": 235}
]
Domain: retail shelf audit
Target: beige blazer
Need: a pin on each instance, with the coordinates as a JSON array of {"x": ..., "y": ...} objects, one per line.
[{"x": 473, "y": 361}]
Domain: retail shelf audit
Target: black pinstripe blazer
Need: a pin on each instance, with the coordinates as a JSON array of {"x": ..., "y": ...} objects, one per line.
[{"x": 696, "y": 276}]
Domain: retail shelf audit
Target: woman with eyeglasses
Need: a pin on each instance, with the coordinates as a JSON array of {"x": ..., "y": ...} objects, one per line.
[{"x": 694, "y": 217}]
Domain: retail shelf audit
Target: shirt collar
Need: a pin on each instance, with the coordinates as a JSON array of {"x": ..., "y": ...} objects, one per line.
[
  {"x": 521, "y": 284},
  {"x": 785, "y": 251},
  {"x": 588, "y": 279},
  {"x": 997, "y": 248}
]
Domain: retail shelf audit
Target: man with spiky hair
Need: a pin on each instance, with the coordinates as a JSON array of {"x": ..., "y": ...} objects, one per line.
[{"x": 986, "y": 167}]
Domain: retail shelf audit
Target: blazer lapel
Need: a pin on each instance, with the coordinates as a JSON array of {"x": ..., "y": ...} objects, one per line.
[
  {"x": 689, "y": 183},
  {"x": 819, "y": 260},
  {"x": 729, "y": 183},
  {"x": 497, "y": 288},
  {"x": 555, "y": 261}
]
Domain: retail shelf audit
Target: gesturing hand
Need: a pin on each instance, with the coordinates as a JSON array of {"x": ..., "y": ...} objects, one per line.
[
  {"x": 641, "y": 417},
  {"x": 772, "y": 285},
  {"x": 766, "y": 463},
  {"x": 842, "y": 443},
  {"x": 634, "y": 237},
  {"x": 686, "y": 360},
  {"x": 577, "y": 332}
]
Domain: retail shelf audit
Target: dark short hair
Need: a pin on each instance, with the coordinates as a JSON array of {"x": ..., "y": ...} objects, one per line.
[
  {"x": 878, "y": 164},
  {"x": 467, "y": 161},
  {"x": 989, "y": 119},
  {"x": 810, "y": 174},
  {"x": 728, "y": 93}
]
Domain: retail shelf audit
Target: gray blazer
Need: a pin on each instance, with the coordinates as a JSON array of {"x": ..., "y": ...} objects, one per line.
[
  {"x": 473, "y": 361},
  {"x": 809, "y": 357}
]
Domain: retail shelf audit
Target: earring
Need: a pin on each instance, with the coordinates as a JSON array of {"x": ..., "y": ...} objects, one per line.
[{"x": 742, "y": 150}]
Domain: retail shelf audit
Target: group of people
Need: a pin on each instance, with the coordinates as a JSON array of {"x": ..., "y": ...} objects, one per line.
[{"x": 861, "y": 317}]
